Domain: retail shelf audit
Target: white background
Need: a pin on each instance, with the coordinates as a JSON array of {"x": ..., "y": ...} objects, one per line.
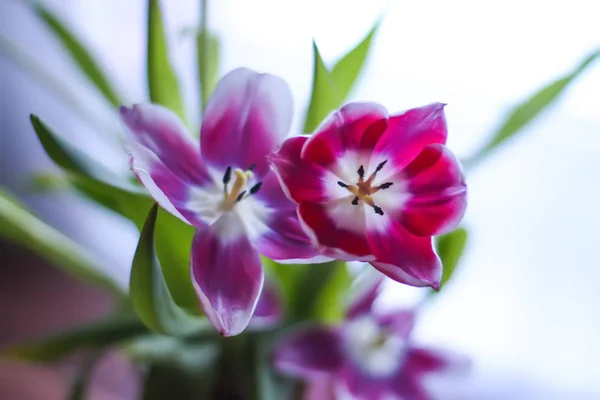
[{"x": 524, "y": 304}]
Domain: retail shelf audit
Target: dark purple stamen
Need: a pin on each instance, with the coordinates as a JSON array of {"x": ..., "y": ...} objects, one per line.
[
  {"x": 361, "y": 172},
  {"x": 355, "y": 201},
  {"x": 380, "y": 166},
  {"x": 240, "y": 196},
  {"x": 342, "y": 184},
  {"x": 227, "y": 176},
  {"x": 386, "y": 185},
  {"x": 378, "y": 210},
  {"x": 254, "y": 189}
]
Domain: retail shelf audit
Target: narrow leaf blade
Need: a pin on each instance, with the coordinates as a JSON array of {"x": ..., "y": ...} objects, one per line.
[
  {"x": 162, "y": 82},
  {"x": 174, "y": 237},
  {"x": 97, "y": 335},
  {"x": 325, "y": 96},
  {"x": 347, "y": 70},
  {"x": 82, "y": 56},
  {"x": 23, "y": 228},
  {"x": 52, "y": 83},
  {"x": 70, "y": 158},
  {"x": 527, "y": 111},
  {"x": 149, "y": 294},
  {"x": 450, "y": 248},
  {"x": 207, "y": 48}
]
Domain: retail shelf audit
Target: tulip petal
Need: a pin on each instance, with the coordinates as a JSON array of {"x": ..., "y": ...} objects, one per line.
[
  {"x": 337, "y": 227},
  {"x": 367, "y": 290},
  {"x": 400, "y": 255},
  {"x": 162, "y": 133},
  {"x": 227, "y": 274},
  {"x": 360, "y": 385},
  {"x": 405, "y": 386},
  {"x": 421, "y": 361},
  {"x": 301, "y": 180},
  {"x": 282, "y": 238},
  {"x": 268, "y": 310},
  {"x": 408, "y": 133},
  {"x": 401, "y": 322},
  {"x": 246, "y": 118},
  {"x": 355, "y": 128},
  {"x": 164, "y": 158},
  {"x": 438, "y": 192},
  {"x": 310, "y": 352}
]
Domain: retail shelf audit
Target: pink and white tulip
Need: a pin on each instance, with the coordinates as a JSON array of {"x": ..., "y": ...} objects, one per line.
[
  {"x": 224, "y": 187},
  {"x": 376, "y": 188},
  {"x": 369, "y": 357}
]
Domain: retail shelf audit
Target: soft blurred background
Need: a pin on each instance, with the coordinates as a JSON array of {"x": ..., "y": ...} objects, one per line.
[{"x": 524, "y": 302}]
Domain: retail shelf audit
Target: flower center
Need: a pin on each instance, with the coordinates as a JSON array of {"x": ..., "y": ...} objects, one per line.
[
  {"x": 363, "y": 189},
  {"x": 376, "y": 350},
  {"x": 238, "y": 191}
]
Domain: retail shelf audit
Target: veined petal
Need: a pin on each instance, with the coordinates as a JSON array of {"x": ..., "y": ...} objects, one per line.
[
  {"x": 337, "y": 227},
  {"x": 282, "y": 237},
  {"x": 164, "y": 158},
  {"x": 438, "y": 193},
  {"x": 301, "y": 180},
  {"x": 310, "y": 352},
  {"x": 284, "y": 240},
  {"x": 169, "y": 190},
  {"x": 356, "y": 128},
  {"x": 161, "y": 132},
  {"x": 227, "y": 274},
  {"x": 268, "y": 310},
  {"x": 246, "y": 118},
  {"x": 401, "y": 255},
  {"x": 408, "y": 133}
]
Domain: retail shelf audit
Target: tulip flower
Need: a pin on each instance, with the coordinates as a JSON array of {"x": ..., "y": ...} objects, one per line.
[
  {"x": 224, "y": 187},
  {"x": 377, "y": 188},
  {"x": 370, "y": 356}
]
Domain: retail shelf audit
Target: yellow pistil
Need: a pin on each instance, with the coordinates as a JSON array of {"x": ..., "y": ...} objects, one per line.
[
  {"x": 231, "y": 197},
  {"x": 381, "y": 339}
]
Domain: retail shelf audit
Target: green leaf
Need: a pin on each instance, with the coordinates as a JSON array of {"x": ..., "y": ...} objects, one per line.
[
  {"x": 98, "y": 335},
  {"x": 162, "y": 81},
  {"x": 25, "y": 229},
  {"x": 331, "y": 87},
  {"x": 174, "y": 237},
  {"x": 70, "y": 158},
  {"x": 82, "y": 56},
  {"x": 169, "y": 381},
  {"x": 330, "y": 305},
  {"x": 148, "y": 291},
  {"x": 197, "y": 352},
  {"x": 346, "y": 71},
  {"x": 527, "y": 111},
  {"x": 53, "y": 84},
  {"x": 450, "y": 248},
  {"x": 325, "y": 96},
  {"x": 311, "y": 291},
  {"x": 207, "y": 47}
]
